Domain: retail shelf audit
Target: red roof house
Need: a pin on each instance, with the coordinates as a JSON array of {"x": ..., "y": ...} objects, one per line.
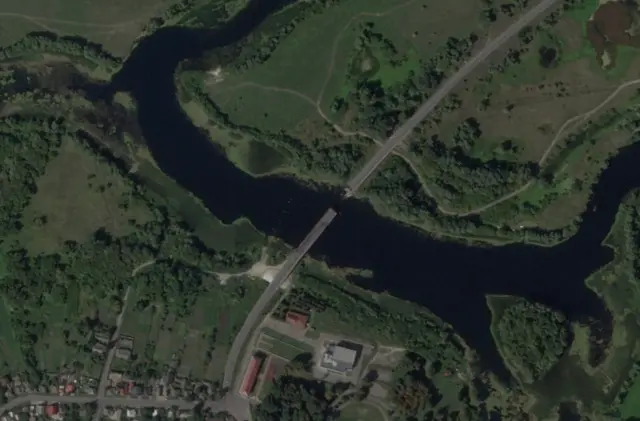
[
  {"x": 250, "y": 377},
  {"x": 296, "y": 319},
  {"x": 51, "y": 410}
]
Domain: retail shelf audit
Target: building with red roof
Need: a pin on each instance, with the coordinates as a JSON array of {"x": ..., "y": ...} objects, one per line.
[
  {"x": 251, "y": 375},
  {"x": 51, "y": 410},
  {"x": 297, "y": 319}
]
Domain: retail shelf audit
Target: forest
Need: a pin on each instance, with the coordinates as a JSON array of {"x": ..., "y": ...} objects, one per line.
[
  {"x": 76, "y": 47},
  {"x": 297, "y": 399},
  {"x": 532, "y": 338}
]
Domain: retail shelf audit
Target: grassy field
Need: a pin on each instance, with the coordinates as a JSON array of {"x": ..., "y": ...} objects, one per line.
[
  {"x": 631, "y": 406},
  {"x": 77, "y": 195},
  {"x": 361, "y": 412},
  {"x": 306, "y": 69},
  {"x": 9, "y": 348},
  {"x": 115, "y": 25}
]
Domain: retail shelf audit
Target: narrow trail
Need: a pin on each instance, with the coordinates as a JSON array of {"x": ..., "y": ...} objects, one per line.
[
  {"x": 38, "y": 19},
  {"x": 137, "y": 269},
  {"x": 338, "y": 38}
]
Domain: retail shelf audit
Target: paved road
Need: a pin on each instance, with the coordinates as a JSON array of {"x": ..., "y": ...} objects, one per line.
[
  {"x": 105, "y": 401},
  {"x": 256, "y": 312},
  {"x": 443, "y": 90},
  {"x": 104, "y": 378}
]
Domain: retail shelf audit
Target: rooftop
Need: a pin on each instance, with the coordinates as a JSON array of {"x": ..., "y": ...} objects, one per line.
[{"x": 339, "y": 358}]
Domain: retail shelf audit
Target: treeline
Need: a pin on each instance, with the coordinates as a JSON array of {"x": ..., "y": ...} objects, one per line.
[
  {"x": 532, "y": 338},
  {"x": 48, "y": 42},
  {"x": 465, "y": 182},
  {"x": 398, "y": 188},
  {"x": 298, "y": 399},
  {"x": 258, "y": 48},
  {"x": 324, "y": 158}
]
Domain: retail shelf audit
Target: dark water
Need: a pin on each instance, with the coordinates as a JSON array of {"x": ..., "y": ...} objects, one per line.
[{"x": 450, "y": 279}]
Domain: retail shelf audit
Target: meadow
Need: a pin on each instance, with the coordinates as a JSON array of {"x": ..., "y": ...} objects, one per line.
[{"x": 115, "y": 25}]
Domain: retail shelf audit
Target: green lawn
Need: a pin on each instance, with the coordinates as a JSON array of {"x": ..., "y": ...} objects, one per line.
[
  {"x": 10, "y": 352},
  {"x": 115, "y": 24},
  {"x": 361, "y": 412}
]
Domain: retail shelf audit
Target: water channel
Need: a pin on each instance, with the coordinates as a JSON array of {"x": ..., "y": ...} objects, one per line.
[{"x": 450, "y": 279}]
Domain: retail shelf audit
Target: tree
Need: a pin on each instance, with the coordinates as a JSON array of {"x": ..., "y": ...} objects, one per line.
[
  {"x": 295, "y": 399},
  {"x": 533, "y": 337}
]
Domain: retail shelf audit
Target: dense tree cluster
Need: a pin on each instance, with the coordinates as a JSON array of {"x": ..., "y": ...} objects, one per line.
[
  {"x": 533, "y": 337},
  {"x": 296, "y": 399},
  {"x": 399, "y": 189},
  {"x": 47, "y": 42}
]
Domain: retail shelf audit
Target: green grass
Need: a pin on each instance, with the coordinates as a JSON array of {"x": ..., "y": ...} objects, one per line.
[
  {"x": 115, "y": 24},
  {"x": 631, "y": 406},
  {"x": 237, "y": 236},
  {"x": 287, "y": 340},
  {"x": 583, "y": 11},
  {"x": 78, "y": 194},
  {"x": 281, "y": 349},
  {"x": 10, "y": 352},
  {"x": 361, "y": 411},
  {"x": 390, "y": 76}
]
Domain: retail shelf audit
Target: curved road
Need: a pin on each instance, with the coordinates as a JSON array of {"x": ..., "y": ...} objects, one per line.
[{"x": 356, "y": 182}]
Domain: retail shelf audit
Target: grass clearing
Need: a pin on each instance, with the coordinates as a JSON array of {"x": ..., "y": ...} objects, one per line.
[
  {"x": 631, "y": 406},
  {"x": 361, "y": 411},
  {"x": 115, "y": 24},
  {"x": 11, "y": 355},
  {"x": 77, "y": 195}
]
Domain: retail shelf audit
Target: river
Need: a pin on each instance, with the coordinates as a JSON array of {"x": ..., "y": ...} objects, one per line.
[{"x": 451, "y": 279}]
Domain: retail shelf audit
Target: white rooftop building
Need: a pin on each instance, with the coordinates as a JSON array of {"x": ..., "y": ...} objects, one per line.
[{"x": 339, "y": 358}]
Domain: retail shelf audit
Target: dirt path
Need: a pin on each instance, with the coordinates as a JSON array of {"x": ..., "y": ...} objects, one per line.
[
  {"x": 582, "y": 118},
  {"x": 137, "y": 269},
  {"x": 38, "y": 19},
  {"x": 338, "y": 38}
]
